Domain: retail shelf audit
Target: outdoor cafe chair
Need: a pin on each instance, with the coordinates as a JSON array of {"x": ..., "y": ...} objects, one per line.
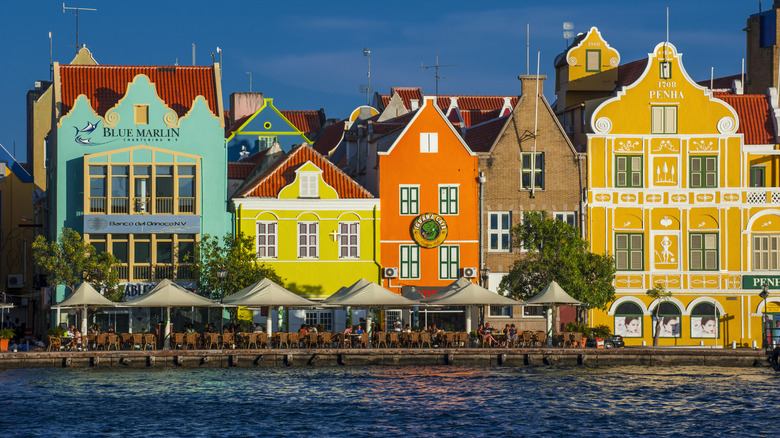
[
  {"x": 449, "y": 339},
  {"x": 91, "y": 341},
  {"x": 461, "y": 339},
  {"x": 326, "y": 339},
  {"x": 55, "y": 343},
  {"x": 379, "y": 339},
  {"x": 228, "y": 340},
  {"x": 392, "y": 338},
  {"x": 294, "y": 340},
  {"x": 262, "y": 340},
  {"x": 414, "y": 339},
  {"x": 526, "y": 339},
  {"x": 138, "y": 341},
  {"x": 191, "y": 339},
  {"x": 250, "y": 339},
  {"x": 344, "y": 340},
  {"x": 127, "y": 340},
  {"x": 150, "y": 341},
  {"x": 280, "y": 339},
  {"x": 100, "y": 341},
  {"x": 178, "y": 341},
  {"x": 112, "y": 340},
  {"x": 425, "y": 338},
  {"x": 210, "y": 340},
  {"x": 310, "y": 339}
]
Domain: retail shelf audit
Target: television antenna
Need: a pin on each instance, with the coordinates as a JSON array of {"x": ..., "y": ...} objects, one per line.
[
  {"x": 436, "y": 74},
  {"x": 568, "y": 31},
  {"x": 250, "y": 80},
  {"x": 367, "y": 88},
  {"x": 67, "y": 8}
]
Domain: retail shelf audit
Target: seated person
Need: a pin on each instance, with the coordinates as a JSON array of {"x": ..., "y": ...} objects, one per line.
[
  {"x": 397, "y": 325},
  {"x": 486, "y": 337},
  {"x": 408, "y": 329},
  {"x": 359, "y": 330},
  {"x": 348, "y": 330}
]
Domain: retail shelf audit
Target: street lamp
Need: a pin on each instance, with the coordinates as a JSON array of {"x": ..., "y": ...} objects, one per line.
[
  {"x": 483, "y": 275},
  {"x": 764, "y": 293}
]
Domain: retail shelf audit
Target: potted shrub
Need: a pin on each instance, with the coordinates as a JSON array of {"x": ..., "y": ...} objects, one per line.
[
  {"x": 600, "y": 333},
  {"x": 578, "y": 327},
  {"x": 5, "y": 337}
]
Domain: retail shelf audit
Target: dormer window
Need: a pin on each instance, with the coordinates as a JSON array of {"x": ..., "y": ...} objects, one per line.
[
  {"x": 309, "y": 185},
  {"x": 592, "y": 61}
]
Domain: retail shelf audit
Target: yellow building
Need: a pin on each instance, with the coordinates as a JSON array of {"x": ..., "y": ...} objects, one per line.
[
  {"x": 681, "y": 200},
  {"x": 313, "y": 224}
]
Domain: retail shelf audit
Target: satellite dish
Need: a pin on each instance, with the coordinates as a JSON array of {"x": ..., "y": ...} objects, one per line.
[
  {"x": 568, "y": 34},
  {"x": 568, "y": 25}
]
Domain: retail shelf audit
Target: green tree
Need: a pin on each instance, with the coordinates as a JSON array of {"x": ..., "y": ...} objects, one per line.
[
  {"x": 556, "y": 251},
  {"x": 661, "y": 294},
  {"x": 233, "y": 254},
  {"x": 70, "y": 261}
]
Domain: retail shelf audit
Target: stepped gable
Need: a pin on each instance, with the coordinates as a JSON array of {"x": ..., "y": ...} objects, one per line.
[
  {"x": 480, "y": 138},
  {"x": 755, "y": 116},
  {"x": 105, "y": 85},
  {"x": 330, "y": 138},
  {"x": 282, "y": 173}
]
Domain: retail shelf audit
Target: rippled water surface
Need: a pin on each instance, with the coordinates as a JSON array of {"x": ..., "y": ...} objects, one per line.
[{"x": 407, "y": 401}]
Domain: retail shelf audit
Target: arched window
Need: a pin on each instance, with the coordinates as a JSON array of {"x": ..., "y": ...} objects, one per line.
[
  {"x": 705, "y": 321},
  {"x": 670, "y": 317},
  {"x": 628, "y": 320}
]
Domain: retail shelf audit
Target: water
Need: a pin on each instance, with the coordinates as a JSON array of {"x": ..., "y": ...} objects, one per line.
[{"x": 386, "y": 401}]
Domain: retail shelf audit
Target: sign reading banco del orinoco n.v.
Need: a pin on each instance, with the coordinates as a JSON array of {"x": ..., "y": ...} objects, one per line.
[
  {"x": 133, "y": 223},
  {"x": 757, "y": 281}
]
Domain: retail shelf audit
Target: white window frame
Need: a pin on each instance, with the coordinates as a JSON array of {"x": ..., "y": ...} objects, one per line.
[
  {"x": 309, "y": 184},
  {"x": 499, "y": 231},
  {"x": 765, "y": 252},
  {"x": 429, "y": 142},
  {"x": 448, "y": 268},
  {"x": 349, "y": 240},
  {"x": 409, "y": 197},
  {"x": 708, "y": 244},
  {"x": 308, "y": 240},
  {"x": 569, "y": 217},
  {"x": 505, "y": 312},
  {"x": 663, "y": 119},
  {"x": 409, "y": 262},
  {"x": 448, "y": 205},
  {"x": 273, "y": 236},
  {"x": 532, "y": 170}
]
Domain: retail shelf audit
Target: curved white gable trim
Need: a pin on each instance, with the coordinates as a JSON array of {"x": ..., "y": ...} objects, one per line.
[
  {"x": 298, "y": 217},
  {"x": 257, "y": 216},
  {"x": 755, "y": 217},
  {"x": 680, "y": 305},
  {"x": 760, "y": 307},
  {"x": 606, "y": 44}
]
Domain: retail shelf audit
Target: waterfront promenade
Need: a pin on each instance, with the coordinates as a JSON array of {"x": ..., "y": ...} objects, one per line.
[{"x": 324, "y": 357}]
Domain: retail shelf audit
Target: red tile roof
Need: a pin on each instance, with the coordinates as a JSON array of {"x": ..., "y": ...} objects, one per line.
[
  {"x": 473, "y": 109},
  {"x": 405, "y": 93},
  {"x": 755, "y": 116},
  {"x": 305, "y": 121},
  {"x": 282, "y": 173},
  {"x": 480, "y": 138},
  {"x": 240, "y": 169},
  {"x": 104, "y": 85},
  {"x": 471, "y": 118},
  {"x": 330, "y": 138},
  {"x": 629, "y": 72}
]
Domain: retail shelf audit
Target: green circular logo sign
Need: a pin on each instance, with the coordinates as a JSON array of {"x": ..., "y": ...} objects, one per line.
[{"x": 429, "y": 230}]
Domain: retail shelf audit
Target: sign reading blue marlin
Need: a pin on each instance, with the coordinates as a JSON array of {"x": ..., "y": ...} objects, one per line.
[
  {"x": 82, "y": 134},
  {"x": 141, "y": 133}
]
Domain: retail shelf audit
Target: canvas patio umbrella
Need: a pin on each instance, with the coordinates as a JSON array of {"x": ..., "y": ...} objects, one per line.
[
  {"x": 169, "y": 294},
  {"x": 552, "y": 295},
  {"x": 366, "y": 294},
  {"x": 463, "y": 292},
  {"x": 267, "y": 293},
  {"x": 83, "y": 297}
]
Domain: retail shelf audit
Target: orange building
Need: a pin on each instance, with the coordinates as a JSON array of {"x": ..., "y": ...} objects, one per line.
[{"x": 427, "y": 179}]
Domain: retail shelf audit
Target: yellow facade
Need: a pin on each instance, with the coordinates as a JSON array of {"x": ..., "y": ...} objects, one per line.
[
  {"x": 588, "y": 70},
  {"x": 331, "y": 258},
  {"x": 670, "y": 198}
]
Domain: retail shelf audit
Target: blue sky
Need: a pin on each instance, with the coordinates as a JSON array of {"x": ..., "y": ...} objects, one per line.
[{"x": 309, "y": 55}]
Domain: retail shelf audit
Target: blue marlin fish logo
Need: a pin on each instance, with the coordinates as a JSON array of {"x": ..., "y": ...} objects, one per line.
[{"x": 82, "y": 135}]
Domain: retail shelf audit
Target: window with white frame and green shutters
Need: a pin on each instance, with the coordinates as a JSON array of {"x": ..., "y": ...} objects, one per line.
[
  {"x": 628, "y": 171},
  {"x": 449, "y": 262},
  {"x": 410, "y": 261},
  {"x": 704, "y": 172},
  {"x": 629, "y": 251},
  {"x": 410, "y": 199},
  {"x": 704, "y": 251},
  {"x": 448, "y": 199}
]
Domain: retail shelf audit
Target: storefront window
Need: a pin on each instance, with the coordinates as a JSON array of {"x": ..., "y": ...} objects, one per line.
[
  {"x": 705, "y": 321},
  {"x": 628, "y": 320},
  {"x": 670, "y": 317}
]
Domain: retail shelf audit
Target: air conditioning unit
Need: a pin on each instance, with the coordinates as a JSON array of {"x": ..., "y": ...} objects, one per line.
[
  {"x": 390, "y": 273},
  {"x": 15, "y": 281},
  {"x": 470, "y": 272}
]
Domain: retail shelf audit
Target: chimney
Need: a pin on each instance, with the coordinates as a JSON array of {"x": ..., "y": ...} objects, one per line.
[
  {"x": 414, "y": 104},
  {"x": 529, "y": 84},
  {"x": 243, "y": 104}
]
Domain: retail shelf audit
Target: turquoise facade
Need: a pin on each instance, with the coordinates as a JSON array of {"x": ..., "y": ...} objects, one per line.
[{"x": 139, "y": 135}]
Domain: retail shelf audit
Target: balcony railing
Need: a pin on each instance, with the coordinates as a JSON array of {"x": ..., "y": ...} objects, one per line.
[
  {"x": 163, "y": 205},
  {"x": 762, "y": 195},
  {"x": 149, "y": 272},
  {"x": 142, "y": 205},
  {"x": 186, "y": 205},
  {"x": 97, "y": 205}
]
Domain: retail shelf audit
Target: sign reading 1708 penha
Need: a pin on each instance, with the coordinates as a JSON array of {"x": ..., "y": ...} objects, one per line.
[{"x": 757, "y": 281}]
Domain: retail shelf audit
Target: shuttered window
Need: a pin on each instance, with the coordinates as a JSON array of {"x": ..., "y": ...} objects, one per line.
[
  {"x": 629, "y": 251},
  {"x": 704, "y": 251}
]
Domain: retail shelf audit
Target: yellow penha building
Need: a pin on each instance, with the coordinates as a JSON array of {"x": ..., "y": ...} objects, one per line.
[{"x": 682, "y": 201}]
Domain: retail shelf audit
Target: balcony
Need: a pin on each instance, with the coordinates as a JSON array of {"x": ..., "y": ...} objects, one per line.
[
  {"x": 762, "y": 196},
  {"x": 142, "y": 205},
  {"x": 149, "y": 272}
]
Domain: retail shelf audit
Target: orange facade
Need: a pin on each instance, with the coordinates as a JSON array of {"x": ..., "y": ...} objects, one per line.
[{"x": 430, "y": 205}]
